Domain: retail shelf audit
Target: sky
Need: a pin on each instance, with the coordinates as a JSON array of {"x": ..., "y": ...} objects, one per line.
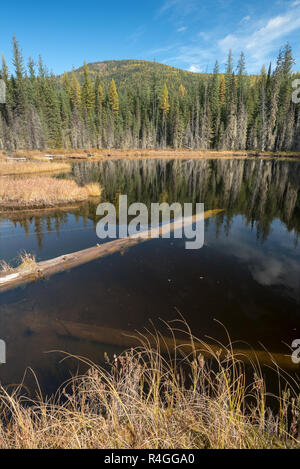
[{"x": 189, "y": 34}]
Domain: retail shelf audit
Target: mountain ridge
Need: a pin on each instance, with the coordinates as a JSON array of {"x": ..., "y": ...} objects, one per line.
[{"x": 135, "y": 72}]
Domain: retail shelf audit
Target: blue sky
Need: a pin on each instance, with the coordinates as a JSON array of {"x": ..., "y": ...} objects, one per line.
[{"x": 190, "y": 34}]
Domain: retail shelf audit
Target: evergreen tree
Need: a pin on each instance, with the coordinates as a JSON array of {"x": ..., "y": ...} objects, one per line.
[
  {"x": 19, "y": 85},
  {"x": 87, "y": 90}
]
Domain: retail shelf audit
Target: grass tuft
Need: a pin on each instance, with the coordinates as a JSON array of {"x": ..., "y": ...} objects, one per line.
[
  {"x": 93, "y": 189},
  {"x": 143, "y": 399},
  {"x": 25, "y": 262}
]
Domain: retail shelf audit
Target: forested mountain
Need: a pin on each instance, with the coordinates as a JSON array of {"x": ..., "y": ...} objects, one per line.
[
  {"x": 137, "y": 73},
  {"x": 140, "y": 104}
]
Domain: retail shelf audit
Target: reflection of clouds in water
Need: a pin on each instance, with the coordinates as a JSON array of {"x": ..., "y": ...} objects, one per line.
[
  {"x": 276, "y": 262},
  {"x": 268, "y": 271},
  {"x": 276, "y": 270}
]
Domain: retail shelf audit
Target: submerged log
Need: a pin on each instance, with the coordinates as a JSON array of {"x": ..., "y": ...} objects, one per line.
[
  {"x": 166, "y": 344},
  {"x": 69, "y": 261}
]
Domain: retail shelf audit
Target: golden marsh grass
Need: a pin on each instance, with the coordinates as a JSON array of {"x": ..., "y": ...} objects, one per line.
[
  {"x": 93, "y": 189},
  {"x": 8, "y": 168},
  {"x": 42, "y": 192},
  {"x": 144, "y": 399}
]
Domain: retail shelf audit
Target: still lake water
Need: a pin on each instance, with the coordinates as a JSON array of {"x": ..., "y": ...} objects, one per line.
[{"x": 247, "y": 275}]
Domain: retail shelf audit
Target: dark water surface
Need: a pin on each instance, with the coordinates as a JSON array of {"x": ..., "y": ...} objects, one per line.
[{"x": 247, "y": 275}]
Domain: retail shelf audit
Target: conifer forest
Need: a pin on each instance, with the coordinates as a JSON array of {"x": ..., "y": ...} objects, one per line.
[{"x": 142, "y": 104}]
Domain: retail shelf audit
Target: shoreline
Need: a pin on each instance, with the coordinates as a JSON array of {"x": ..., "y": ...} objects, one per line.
[
  {"x": 92, "y": 154},
  {"x": 17, "y": 213},
  {"x": 19, "y": 209},
  {"x": 33, "y": 165}
]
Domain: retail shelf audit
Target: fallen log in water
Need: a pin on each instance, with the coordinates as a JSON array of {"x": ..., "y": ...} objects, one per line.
[{"x": 69, "y": 261}]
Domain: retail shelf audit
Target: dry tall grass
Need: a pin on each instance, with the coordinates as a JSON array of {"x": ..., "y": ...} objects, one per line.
[
  {"x": 5, "y": 268},
  {"x": 30, "y": 167},
  {"x": 147, "y": 401},
  {"x": 26, "y": 261},
  {"x": 93, "y": 189},
  {"x": 41, "y": 191}
]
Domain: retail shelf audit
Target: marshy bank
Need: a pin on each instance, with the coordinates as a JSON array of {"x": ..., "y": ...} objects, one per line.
[
  {"x": 37, "y": 192},
  {"x": 15, "y": 167},
  {"x": 69, "y": 155},
  {"x": 140, "y": 399}
]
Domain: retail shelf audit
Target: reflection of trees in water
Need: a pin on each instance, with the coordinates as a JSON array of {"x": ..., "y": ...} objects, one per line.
[
  {"x": 41, "y": 224},
  {"x": 261, "y": 190}
]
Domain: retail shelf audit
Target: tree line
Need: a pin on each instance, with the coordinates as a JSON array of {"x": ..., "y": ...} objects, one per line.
[{"x": 222, "y": 111}]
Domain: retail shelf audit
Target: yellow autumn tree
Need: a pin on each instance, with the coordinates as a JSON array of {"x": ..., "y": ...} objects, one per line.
[
  {"x": 165, "y": 105},
  {"x": 182, "y": 91},
  {"x": 66, "y": 83},
  {"x": 114, "y": 97}
]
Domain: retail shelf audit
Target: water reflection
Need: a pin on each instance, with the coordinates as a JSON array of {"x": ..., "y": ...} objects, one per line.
[
  {"x": 261, "y": 191},
  {"x": 275, "y": 263}
]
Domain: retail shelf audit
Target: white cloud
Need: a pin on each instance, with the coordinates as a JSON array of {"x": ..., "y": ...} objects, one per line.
[
  {"x": 195, "y": 68},
  {"x": 229, "y": 42},
  {"x": 275, "y": 28},
  {"x": 246, "y": 19},
  {"x": 167, "y": 5},
  {"x": 182, "y": 29},
  {"x": 260, "y": 43},
  {"x": 259, "y": 37}
]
